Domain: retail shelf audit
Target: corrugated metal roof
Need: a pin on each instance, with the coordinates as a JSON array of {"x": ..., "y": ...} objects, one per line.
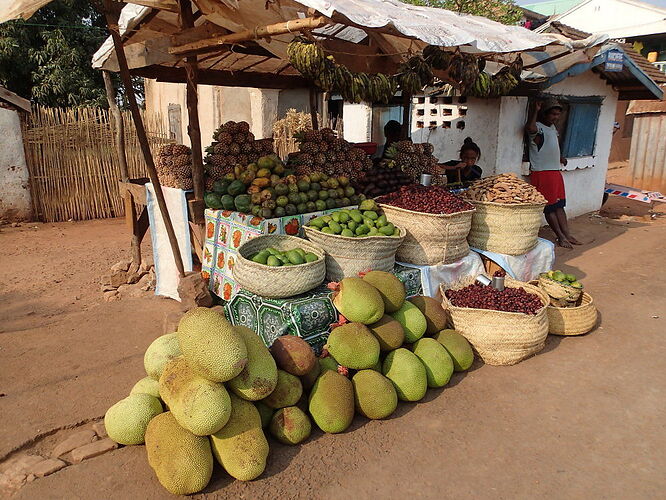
[{"x": 642, "y": 107}]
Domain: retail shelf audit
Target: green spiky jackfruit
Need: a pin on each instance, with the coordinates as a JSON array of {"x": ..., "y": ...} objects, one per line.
[
  {"x": 353, "y": 346},
  {"x": 389, "y": 332},
  {"x": 159, "y": 353},
  {"x": 407, "y": 373},
  {"x": 412, "y": 320},
  {"x": 199, "y": 405},
  {"x": 290, "y": 425},
  {"x": 437, "y": 362},
  {"x": 241, "y": 446},
  {"x": 127, "y": 420},
  {"x": 374, "y": 394},
  {"x": 332, "y": 402},
  {"x": 359, "y": 301},
  {"x": 287, "y": 392},
  {"x": 391, "y": 289},
  {"x": 147, "y": 385},
  {"x": 433, "y": 312},
  {"x": 182, "y": 461},
  {"x": 259, "y": 377},
  {"x": 225, "y": 354},
  {"x": 265, "y": 412},
  {"x": 328, "y": 363},
  {"x": 458, "y": 348}
]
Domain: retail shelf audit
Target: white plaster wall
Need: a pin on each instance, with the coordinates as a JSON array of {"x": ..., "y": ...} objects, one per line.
[
  {"x": 358, "y": 121},
  {"x": 298, "y": 99},
  {"x": 15, "y": 202}
]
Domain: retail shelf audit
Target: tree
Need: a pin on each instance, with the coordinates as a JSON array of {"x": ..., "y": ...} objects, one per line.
[
  {"x": 503, "y": 11},
  {"x": 47, "y": 58}
]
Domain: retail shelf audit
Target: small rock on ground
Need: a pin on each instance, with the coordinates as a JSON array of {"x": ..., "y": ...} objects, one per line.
[
  {"x": 92, "y": 450},
  {"x": 75, "y": 440}
]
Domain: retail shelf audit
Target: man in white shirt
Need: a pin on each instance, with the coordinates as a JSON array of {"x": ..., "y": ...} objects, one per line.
[{"x": 545, "y": 164}]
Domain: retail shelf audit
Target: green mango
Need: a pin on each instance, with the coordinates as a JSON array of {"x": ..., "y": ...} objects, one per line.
[
  {"x": 310, "y": 257},
  {"x": 273, "y": 261}
]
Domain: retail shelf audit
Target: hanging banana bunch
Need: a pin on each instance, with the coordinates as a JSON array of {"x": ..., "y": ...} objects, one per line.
[
  {"x": 503, "y": 82},
  {"x": 516, "y": 67},
  {"x": 482, "y": 85},
  {"x": 436, "y": 57},
  {"x": 308, "y": 58}
]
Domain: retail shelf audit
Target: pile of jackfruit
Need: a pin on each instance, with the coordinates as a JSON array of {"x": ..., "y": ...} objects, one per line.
[{"x": 213, "y": 390}]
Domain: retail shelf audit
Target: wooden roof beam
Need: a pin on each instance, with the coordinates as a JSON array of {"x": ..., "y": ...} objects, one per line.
[
  {"x": 215, "y": 42},
  {"x": 168, "y": 5}
]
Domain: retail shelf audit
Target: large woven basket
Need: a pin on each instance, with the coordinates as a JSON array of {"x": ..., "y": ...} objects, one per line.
[
  {"x": 573, "y": 320},
  {"x": 500, "y": 338},
  {"x": 278, "y": 282},
  {"x": 431, "y": 238},
  {"x": 560, "y": 293},
  {"x": 347, "y": 256},
  {"x": 502, "y": 228}
]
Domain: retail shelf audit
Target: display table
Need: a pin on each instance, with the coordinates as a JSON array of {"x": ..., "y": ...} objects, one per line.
[
  {"x": 528, "y": 266},
  {"x": 431, "y": 277},
  {"x": 227, "y": 230}
]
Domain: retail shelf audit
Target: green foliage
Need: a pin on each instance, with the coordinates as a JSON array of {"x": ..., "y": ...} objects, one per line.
[
  {"x": 503, "y": 11},
  {"x": 48, "y": 57}
]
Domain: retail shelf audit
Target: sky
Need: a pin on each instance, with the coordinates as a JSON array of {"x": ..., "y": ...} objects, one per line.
[{"x": 660, "y": 3}]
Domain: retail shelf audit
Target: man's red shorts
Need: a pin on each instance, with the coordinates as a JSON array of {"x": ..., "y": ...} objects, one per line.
[{"x": 551, "y": 185}]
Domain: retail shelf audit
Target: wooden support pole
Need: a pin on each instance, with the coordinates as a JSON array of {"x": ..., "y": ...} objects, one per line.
[
  {"x": 118, "y": 123},
  {"x": 406, "y": 115},
  {"x": 112, "y": 14},
  {"x": 313, "y": 108},
  {"x": 193, "y": 128},
  {"x": 214, "y": 42}
]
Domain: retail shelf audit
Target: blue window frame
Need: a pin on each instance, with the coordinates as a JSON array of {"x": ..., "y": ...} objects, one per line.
[{"x": 581, "y": 126}]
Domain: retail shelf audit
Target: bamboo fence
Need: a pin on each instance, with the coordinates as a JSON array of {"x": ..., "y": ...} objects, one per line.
[{"x": 73, "y": 161}]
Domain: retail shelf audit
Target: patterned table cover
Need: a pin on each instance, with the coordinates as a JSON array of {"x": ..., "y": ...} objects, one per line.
[{"x": 227, "y": 230}]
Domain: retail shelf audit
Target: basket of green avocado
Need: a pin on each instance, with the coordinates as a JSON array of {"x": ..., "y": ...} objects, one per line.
[
  {"x": 279, "y": 266},
  {"x": 564, "y": 289}
]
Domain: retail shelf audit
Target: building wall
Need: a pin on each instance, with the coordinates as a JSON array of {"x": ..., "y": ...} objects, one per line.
[
  {"x": 647, "y": 163},
  {"x": 15, "y": 201}
]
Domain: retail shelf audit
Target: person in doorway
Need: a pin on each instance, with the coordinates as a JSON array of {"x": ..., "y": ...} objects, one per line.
[
  {"x": 392, "y": 131},
  {"x": 545, "y": 164},
  {"x": 465, "y": 169}
]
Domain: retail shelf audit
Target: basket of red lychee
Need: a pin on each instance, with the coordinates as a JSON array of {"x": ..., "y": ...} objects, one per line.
[{"x": 504, "y": 327}]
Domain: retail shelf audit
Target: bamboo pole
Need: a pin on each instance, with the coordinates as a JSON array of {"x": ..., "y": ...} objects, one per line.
[
  {"x": 112, "y": 16},
  {"x": 193, "y": 127},
  {"x": 214, "y": 42}
]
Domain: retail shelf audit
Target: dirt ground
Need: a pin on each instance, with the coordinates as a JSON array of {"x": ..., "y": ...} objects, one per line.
[{"x": 583, "y": 419}]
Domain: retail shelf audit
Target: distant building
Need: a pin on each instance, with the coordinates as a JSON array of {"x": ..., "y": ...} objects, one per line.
[{"x": 551, "y": 7}]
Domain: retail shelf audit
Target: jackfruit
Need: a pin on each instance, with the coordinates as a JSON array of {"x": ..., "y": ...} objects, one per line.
[
  {"x": 199, "y": 405},
  {"x": 259, "y": 377},
  {"x": 405, "y": 370},
  {"x": 437, "y": 362},
  {"x": 353, "y": 346},
  {"x": 147, "y": 385},
  {"x": 159, "y": 353},
  {"x": 210, "y": 345},
  {"x": 412, "y": 320},
  {"x": 290, "y": 425},
  {"x": 241, "y": 446},
  {"x": 293, "y": 354},
  {"x": 435, "y": 315},
  {"x": 374, "y": 394},
  {"x": 182, "y": 461},
  {"x": 388, "y": 332},
  {"x": 287, "y": 392},
  {"x": 265, "y": 412},
  {"x": 332, "y": 402},
  {"x": 310, "y": 377},
  {"x": 359, "y": 301},
  {"x": 391, "y": 289},
  {"x": 126, "y": 421},
  {"x": 458, "y": 348},
  {"x": 328, "y": 363}
]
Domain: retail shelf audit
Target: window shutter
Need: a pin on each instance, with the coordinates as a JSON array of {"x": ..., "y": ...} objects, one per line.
[{"x": 581, "y": 130}]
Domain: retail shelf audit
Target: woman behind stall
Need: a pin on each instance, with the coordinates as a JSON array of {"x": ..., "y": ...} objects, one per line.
[{"x": 465, "y": 169}]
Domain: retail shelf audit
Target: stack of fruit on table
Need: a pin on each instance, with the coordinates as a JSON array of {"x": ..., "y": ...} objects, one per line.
[
  {"x": 233, "y": 144},
  {"x": 381, "y": 180},
  {"x": 174, "y": 166},
  {"x": 225, "y": 399},
  {"x": 413, "y": 159},
  {"x": 267, "y": 189},
  {"x": 322, "y": 151},
  {"x": 367, "y": 220}
]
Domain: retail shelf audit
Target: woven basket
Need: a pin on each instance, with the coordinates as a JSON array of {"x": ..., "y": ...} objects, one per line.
[
  {"x": 347, "y": 256},
  {"x": 560, "y": 294},
  {"x": 431, "y": 238},
  {"x": 573, "y": 320},
  {"x": 500, "y": 338},
  {"x": 278, "y": 282},
  {"x": 507, "y": 229}
]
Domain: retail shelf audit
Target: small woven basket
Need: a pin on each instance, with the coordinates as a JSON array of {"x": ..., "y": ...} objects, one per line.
[
  {"x": 347, "y": 256},
  {"x": 431, "y": 238},
  {"x": 500, "y": 338},
  {"x": 504, "y": 228},
  {"x": 283, "y": 281},
  {"x": 571, "y": 321}
]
